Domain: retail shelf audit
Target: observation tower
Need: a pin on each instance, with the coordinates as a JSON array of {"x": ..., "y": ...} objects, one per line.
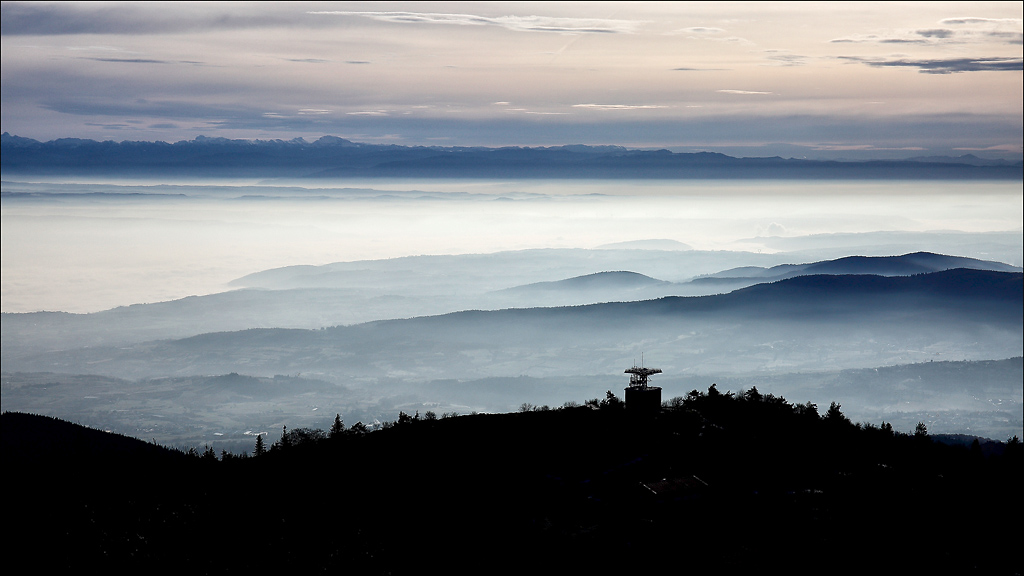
[{"x": 640, "y": 397}]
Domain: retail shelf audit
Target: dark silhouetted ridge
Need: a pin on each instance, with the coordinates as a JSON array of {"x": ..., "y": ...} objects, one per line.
[{"x": 591, "y": 489}]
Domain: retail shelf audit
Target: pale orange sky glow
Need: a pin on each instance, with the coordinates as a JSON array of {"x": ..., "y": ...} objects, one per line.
[{"x": 763, "y": 77}]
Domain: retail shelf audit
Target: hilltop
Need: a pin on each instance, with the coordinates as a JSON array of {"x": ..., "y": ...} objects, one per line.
[{"x": 721, "y": 482}]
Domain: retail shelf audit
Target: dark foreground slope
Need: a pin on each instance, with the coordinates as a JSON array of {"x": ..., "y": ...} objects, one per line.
[{"x": 716, "y": 485}]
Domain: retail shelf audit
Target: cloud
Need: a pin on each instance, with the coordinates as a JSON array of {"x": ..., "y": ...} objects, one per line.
[
  {"x": 711, "y": 34},
  {"x": 743, "y": 92},
  {"x": 860, "y": 147},
  {"x": 910, "y": 38},
  {"x": 142, "y": 61},
  {"x": 995, "y": 148},
  {"x": 63, "y": 18},
  {"x": 785, "y": 58},
  {"x": 936, "y": 33},
  {"x": 141, "y": 108},
  {"x": 947, "y": 65},
  {"x": 953, "y": 31},
  {"x": 1018, "y": 22},
  {"x": 516, "y": 23},
  {"x": 698, "y": 30},
  {"x": 618, "y": 106}
]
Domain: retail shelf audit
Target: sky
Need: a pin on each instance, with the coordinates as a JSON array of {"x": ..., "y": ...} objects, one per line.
[{"x": 818, "y": 80}]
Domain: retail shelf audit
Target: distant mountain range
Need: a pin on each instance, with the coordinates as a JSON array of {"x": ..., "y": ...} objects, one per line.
[{"x": 332, "y": 157}]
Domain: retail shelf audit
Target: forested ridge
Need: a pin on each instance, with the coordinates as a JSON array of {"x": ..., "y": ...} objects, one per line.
[{"x": 714, "y": 483}]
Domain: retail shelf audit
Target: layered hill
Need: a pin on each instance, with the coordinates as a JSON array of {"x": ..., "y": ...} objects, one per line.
[
  {"x": 904, "y": 265},
  {"x": 807, "y": 322},
  {"x": 350, "y": 293}
]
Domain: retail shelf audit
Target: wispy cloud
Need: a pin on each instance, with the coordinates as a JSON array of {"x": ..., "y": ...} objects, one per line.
[
  {"x": 698, "y": 30},
  {"x": 952, "y": 31},
  {"x": 914, "y": 37},
  {"x": 861, "y": 147},
  {"x": 709, "y": 33},
  {"x": 936, "y": 33},
  {"x": 996, "y": 148},
  {"x": 1018, "y": 22},
  {"x": 785, "y": 58},
  {"x": 134, "y": 18},
  {"x": 946, "y": 65},
  {"x": 618, "y": 106},
  {"x": 744, "y": 92},
  {"x": 142, "y": 61},
  {"x": 517, "y": 23}
]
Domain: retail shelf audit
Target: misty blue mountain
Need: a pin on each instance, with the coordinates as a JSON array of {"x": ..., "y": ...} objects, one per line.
[
  {"x": 801, "y": 323},
  {"x": 333, "y": 157}
]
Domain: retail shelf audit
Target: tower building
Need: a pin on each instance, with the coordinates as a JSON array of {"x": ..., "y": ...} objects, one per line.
[{"x": 640, "y": 397}]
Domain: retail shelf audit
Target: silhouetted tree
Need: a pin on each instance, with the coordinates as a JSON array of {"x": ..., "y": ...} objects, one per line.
[
  {"x": 338, "y": 428},
  {"x": 303, "y": 436},
  {"x": 921, "y": 431},
  {"x": 809, "y": 409},
  {"x": 285, "y": 442},
  {"x": 676, "y": 402},
  {"x": 976, "y": 449},
  {"x": 358, "y": 428},
  {"x": 430, "y": 415},
  {"x": 1013, "y": 448},
  {"x": 835, "y": 415},
  {"x": 611, "y": 401},
  {"x": 260, "y": 449},
  {"x": 752, "y": 395}
]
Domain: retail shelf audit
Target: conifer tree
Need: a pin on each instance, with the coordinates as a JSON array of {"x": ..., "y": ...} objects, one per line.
[
  {"x": 286, "y": 441},
  {"x": 260, "y": 449},
  {"x": 338, "y": 428}
]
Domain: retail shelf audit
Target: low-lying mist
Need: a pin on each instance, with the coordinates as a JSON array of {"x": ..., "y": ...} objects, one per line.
[{"x": 87, "y": 247}]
